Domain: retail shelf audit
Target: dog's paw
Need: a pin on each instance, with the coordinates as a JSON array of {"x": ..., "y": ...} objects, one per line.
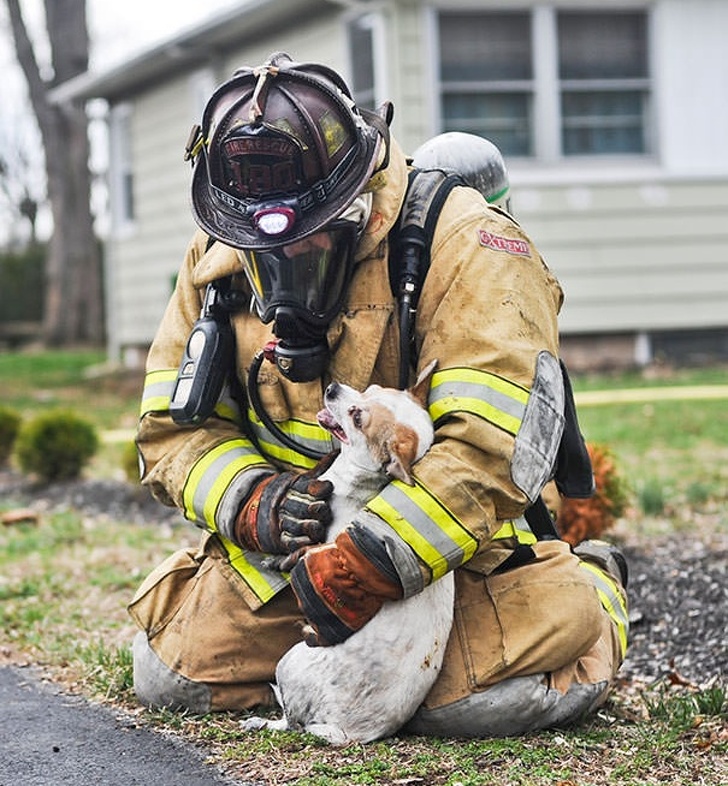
[
  {"x": 334, "y": 735},
  {"x": 255, "y": 723}
]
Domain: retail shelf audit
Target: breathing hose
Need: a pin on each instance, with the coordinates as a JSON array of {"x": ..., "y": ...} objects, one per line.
[
  {"x": 405, "y": 338},
  {"x": 267, "y": 421}
]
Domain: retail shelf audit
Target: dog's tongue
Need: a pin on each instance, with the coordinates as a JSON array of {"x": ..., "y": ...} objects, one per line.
[{"x": 328, "y": 421}]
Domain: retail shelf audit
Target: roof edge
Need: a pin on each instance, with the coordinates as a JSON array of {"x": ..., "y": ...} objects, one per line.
[{"x": 197, "y": 45}]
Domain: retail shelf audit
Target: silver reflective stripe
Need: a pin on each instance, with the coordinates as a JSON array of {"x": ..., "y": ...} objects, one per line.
[
  {"x": 211, "y": 476},
  {"x": 518, "y": 529},
  {"x": 417, "y": 516},
  {"x": 479, "y": 393},
  {"x": 612, "y": 601},
  {"x": 227, "y": 407},
  {"x": 265, "y": 583},
  {"x": 158, "y": 390},
  {"x": 308, "y": 435},
  {"x": 158, "y": 387}
]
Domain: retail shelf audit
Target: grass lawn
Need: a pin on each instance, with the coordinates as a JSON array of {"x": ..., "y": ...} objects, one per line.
[
  {"x": 80, "y": 381},
  {"x": 65, "y": 582}
]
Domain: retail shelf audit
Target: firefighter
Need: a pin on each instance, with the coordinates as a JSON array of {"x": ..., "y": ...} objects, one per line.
[{"x": 296, "y": 192}]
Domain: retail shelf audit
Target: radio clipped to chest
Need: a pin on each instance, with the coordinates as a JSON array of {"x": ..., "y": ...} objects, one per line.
[{"x": 207, "y": 357}]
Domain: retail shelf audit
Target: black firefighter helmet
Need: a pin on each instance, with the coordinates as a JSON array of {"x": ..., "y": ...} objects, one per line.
[{"x": 282, "y": 151}]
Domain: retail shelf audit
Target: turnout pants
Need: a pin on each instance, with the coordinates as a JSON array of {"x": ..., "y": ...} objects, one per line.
[{"x": 530, "y": 648}]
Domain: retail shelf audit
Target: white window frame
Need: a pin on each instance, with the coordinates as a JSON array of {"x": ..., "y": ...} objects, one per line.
[
  {"x": 374, "y": 21},
  {"x": 121, "y": 170},
  {"x": 546, "y": 131}
]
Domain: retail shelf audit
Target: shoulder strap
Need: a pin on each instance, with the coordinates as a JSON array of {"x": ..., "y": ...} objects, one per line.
[
  {"x": 427, "y": 190},
  {"x": 411, "y": 239}
]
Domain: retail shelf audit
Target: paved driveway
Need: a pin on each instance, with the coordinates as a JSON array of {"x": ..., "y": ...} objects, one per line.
[{"x": 48, "y": 738}]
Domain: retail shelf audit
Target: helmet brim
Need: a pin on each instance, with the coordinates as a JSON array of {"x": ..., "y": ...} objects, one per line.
[{"x": 230, "y": 226}]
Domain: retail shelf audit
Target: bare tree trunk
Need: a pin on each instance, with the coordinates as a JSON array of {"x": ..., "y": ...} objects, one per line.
[{"x": 74, "y": 306}]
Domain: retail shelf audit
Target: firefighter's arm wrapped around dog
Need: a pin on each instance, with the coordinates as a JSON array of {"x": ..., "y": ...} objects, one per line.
[{"x": 488, "y": 314}]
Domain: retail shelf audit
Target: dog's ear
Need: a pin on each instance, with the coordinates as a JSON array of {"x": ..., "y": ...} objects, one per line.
[
  {"x": 402, "y": 449},
  {"x": 420, "y": 390}
]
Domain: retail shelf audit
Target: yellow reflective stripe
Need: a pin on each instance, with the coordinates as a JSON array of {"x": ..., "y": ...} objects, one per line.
[
  {"x": 227, "y": 411},
  {"x": 157, "y": 395},
  {"x": 158, "y": 387},
  {"x": 248, "y": 565},
  {"x": 612, "y": 601},
  {"x": 426, "y": 525},
  {"x": 228, "y": 407},
  {"x": 212, "y": 474},
  {"x": 519, "y": 530},
  {"x": 310, "y": 435},
  {"x": 480, "y": 393}
]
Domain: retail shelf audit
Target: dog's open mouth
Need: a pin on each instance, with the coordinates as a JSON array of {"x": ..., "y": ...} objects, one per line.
[{"x": 331, "y": 424}]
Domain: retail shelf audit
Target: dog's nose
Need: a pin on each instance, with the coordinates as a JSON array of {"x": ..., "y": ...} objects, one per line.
[{"x": 332, "y": 391}]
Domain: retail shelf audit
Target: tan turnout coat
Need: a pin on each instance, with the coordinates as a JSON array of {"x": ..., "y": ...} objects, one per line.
[{"x": 489, "y": 303}]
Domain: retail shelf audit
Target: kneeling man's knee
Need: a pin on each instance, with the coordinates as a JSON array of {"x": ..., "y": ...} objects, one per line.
[
  {"x": 157, "y": 686},
  {"x": 509, "y": 708}
]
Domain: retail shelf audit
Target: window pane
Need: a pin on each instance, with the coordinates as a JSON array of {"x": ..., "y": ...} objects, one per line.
[
  {"x": 503, "y": 118},
  {"x": 485, "y": 47},
  {"x": 486, "y": 72},
  {"x": 602, "y": 45},
  {"x": 604, "y": 82},
  {"x": 127, "y": 196},
  {"x": 603, "y": 123},
  {"x": 122, "y": 177}
]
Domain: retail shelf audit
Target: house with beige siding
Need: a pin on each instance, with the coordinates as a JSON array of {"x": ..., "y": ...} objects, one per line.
[{"x": 613, "y": 119}]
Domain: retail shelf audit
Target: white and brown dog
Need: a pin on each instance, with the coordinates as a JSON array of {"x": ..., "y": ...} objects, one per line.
[{"x": 369, "y": 686}]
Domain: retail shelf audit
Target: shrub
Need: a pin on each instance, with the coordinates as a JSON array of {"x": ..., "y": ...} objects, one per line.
[
  {"x": 9, "y": 426},
  {"x": 579, "y": 519},
  {"x": 22, "y": 284},
  {"x": 55, "y": 445},
  {"x": 130, "y": 462},
  {"x": 652, "y": 497}
]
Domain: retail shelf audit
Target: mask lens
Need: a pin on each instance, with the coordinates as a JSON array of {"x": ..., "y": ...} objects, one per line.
[{"x": 308, "y": 276}]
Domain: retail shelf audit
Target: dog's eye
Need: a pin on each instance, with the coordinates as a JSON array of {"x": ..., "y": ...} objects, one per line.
[{"x": 356, "y": 417}]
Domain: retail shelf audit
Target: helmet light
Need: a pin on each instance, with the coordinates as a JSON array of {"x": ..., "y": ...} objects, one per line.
[{"x": 273, "y": 221}]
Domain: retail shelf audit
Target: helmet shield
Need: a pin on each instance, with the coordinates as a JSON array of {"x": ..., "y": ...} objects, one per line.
[
  {"x": 307, "y": 278},
  {"x": 284, "y": 152}
]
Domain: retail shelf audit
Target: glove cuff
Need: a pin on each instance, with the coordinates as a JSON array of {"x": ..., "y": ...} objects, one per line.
[
  {"x": 368, "y": 565},
  {"x": 246, "y": 524},
  {"x": 339, "y": 588},
  {"x": 309, "y": 590}
]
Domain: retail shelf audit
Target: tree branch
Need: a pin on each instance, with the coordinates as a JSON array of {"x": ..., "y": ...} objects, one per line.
[{"x": 25, "y": 53}]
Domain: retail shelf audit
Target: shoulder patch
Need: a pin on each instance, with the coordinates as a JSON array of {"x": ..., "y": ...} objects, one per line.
[{"x": 507, "y": 244}]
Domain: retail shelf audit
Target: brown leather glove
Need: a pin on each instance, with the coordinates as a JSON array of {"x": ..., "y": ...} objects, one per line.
[
  {"x": 286, "y": 512},
  {"x": 340, "y": 586}
]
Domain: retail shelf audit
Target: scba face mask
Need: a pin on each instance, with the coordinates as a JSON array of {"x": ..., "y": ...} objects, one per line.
[
  {"x": 305, "y": 280},
  {"x": 301, "y": 286}
]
